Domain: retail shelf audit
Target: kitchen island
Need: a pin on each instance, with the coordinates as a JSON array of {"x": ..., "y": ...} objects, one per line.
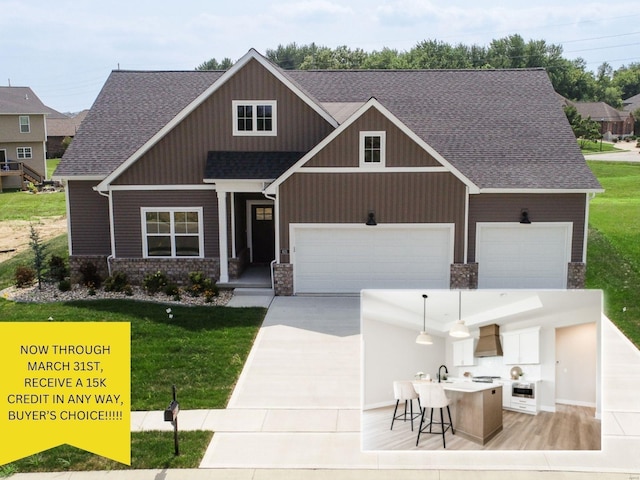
[{"x": 476, "y": 409}]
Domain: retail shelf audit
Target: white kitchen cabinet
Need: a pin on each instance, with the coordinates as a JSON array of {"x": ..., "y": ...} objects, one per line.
[
  {"x": 463, "y": 353},
  {"x": 521, "y": 347},
  {"x": 506, "y": 393},
  {"x": 524, "y": 405}
]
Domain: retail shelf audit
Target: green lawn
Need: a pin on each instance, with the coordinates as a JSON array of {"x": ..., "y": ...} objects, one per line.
[
  {"x": 587, "y": 147},
  {"x": 27, "y": 206},
  {"x": 613, "y": 262},
  {"x": 52, "y": 163}
]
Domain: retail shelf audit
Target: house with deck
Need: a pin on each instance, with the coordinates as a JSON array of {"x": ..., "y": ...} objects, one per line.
[
  {"x": 23, "y": 135},
  {"x": 332, "y": 181}
]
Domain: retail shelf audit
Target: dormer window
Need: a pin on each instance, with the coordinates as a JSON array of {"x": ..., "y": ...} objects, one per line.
[
  {"x": 372, "y": 149},
  {"x": 254, "y": 118}
]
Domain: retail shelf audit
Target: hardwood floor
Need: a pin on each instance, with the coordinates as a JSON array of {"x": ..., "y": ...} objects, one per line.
[{"x": 569, "y": 428}]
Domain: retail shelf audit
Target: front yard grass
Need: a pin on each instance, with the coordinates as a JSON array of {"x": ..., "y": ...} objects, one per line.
[
  {"x": 588, "y": 147},
  {"x": 30, "y": 207}
]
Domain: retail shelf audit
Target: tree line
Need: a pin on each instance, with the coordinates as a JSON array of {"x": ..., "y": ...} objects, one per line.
[{"x": 570, "y": 78}]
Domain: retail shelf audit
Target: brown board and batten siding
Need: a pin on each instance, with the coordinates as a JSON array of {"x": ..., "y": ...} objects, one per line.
[
  {"x": 180, "y": 156},
  {"x": 401, "y": 151},
  {"x": 128, "y": 220},
  {"x": 409, "y": 197},
  {"x": 542, "y": 208},
  {"x": 89, "y": 219}
]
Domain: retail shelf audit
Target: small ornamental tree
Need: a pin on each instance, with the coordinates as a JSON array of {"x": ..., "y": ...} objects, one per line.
[{"x": 38, "y": 249}]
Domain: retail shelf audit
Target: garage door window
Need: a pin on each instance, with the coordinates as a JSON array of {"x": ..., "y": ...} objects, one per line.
[{"x": 172, "y": 233}]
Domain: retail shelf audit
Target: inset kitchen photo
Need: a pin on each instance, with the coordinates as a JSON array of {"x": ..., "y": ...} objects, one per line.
[{"x": 481, "y": 370}]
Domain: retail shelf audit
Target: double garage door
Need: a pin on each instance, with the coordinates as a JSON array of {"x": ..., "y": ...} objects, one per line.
[{"x": 348, "y": 258}]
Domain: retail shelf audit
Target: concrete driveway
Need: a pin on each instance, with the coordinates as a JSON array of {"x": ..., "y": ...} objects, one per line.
[
  {"x": 297, "y": 404},
  {"x": 629, "y": 154}
]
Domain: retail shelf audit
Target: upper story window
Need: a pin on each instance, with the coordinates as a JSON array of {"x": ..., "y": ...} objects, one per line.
[
  {"x": 372, "y": 149},
  {"x": 172, "y": 232},
  {"x": 254, "y": 118},
  {"x": 24, "y": 153},
  {"x": 25, "y": 124}
]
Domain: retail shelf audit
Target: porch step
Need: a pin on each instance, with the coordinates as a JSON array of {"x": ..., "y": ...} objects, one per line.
[{"x": 253, "y": 291}]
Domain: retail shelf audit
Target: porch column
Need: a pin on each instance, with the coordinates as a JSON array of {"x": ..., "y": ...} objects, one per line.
[{"x": 222, "y": 234}]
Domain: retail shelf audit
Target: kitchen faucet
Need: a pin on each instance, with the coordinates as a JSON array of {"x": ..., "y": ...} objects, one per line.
[{"x": 445, "y": 371}]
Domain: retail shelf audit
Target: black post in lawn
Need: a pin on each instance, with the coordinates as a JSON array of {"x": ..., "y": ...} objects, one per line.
[{"x": 171, "y": 415}]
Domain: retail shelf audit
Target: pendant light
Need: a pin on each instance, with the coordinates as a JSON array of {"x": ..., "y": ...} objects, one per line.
[
  {"x": 424, "y": 338},
  {"x": 459, "y": 329}
]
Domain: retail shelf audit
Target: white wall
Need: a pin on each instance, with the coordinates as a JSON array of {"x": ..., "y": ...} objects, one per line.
[
  {"x": 391, "y": 353},
  {"x": 576, "y": 348}
]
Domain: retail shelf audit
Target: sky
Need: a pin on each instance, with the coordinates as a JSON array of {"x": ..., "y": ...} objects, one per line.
[{"x": 64, "y": 49}]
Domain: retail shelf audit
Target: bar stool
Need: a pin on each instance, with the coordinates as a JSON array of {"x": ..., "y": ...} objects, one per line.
[
  {"x": 432, "y": 396},
  {"x": 403, "y": 390}
]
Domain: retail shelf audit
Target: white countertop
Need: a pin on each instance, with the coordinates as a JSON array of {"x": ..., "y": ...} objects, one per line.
[{"x": 464, "y": 385}]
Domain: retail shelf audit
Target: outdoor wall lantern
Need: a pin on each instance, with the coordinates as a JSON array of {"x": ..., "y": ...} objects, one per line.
[
  {"x": 524, "y": 216},
  {"x": 424, "y": 338},
  {"x": 371, "y": 219}
]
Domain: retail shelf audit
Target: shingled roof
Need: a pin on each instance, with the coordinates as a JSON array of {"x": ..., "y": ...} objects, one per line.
[
  {"x": 502, "y": 129},
  {"x": 20, "y": 101}
]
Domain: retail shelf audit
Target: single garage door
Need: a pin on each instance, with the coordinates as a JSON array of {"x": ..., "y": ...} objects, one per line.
[
  {"x": 347, "y": 258},
  {"x": 523, "y": 256}
]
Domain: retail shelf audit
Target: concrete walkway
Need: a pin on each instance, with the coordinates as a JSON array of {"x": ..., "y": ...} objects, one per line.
[{"x": 629, "y": 154}]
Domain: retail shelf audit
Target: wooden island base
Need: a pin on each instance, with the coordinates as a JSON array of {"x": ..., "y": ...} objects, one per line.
[{"x": 477, "y": 416}]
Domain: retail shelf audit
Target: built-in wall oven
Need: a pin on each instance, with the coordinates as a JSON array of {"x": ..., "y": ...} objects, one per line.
[{"x": 523, "y": 390}]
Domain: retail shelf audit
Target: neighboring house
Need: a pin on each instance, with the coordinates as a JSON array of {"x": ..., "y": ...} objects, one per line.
[
  {"x": 22, "y": 137},
  {"x": 631, "y": 104},
  {"x": 59, "y": 127},
  {"x": 613, "y": 123},
  {"x": 341, "y": 180}
]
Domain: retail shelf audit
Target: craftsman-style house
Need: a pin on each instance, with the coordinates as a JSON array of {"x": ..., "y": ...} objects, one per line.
[{"x": 339, "y": 180}]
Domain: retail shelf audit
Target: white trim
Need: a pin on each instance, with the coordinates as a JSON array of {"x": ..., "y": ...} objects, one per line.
[
  {"x": 222, "y": 237},
  {"x": 465, "y": 242},
  {"x": 244, "y": 186},
  {"x": 252, "y": 54},
  {"x": 373, "y": 103},
  {"x": 585, "y": 232},
  {"x": 172, "y": 234},
  {"x": 538, "y": 190},
  {"x": 69, "y": 228},
  {"x": 341, "y": 170},
  {"x": 112, "y": 220},
  {"x": 138, "y": 188},
  {"x": 251, "y": 203},
  {"x": 362, "y": 149},
  {"x": 24, "y": 153},
  {"x": 254, "y": 118},
  {"x": 232, "y": 199}
]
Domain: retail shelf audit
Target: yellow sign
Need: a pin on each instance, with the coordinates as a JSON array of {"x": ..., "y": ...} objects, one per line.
[{"x": 65, "y": 383}]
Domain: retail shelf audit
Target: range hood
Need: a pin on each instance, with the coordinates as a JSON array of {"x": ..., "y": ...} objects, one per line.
[{"x": 489, "y": 342}]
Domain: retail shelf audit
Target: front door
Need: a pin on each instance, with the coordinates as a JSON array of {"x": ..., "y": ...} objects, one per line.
[{"x": 262, "y": 233}]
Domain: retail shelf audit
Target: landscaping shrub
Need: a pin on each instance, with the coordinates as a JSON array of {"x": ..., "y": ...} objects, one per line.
[
  {"x": 24, "y": 276},
  {"x": 118, "y": 282},
  {"x": 155, "y": 282},
  {"x": 202, "y": 285},
  {"x": 64, "y": 285},
  {"x": 58, "y": 270},
  {"x": 90, "y": 276}
]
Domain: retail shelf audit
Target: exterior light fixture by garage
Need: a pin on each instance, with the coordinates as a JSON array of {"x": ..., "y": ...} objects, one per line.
[
  {"x": 371, "y": 219},
  {"x": 424, "y": 338},
  {"x": 524, "y": 216},
  {"x": 459, "y": 330}
]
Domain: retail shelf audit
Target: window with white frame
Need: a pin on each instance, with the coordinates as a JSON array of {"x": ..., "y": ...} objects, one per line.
[
  {"x": 24, "y": 153},
  {"x": 25, "y": 124},
  {"x": 254, "y": 118},
  {"x": 372, "y": 149},
  {"x": 172, "y": 232}
]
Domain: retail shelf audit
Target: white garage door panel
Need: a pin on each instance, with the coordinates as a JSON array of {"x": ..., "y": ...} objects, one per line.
[
  {"x": 334, "y": 259},
  {"x": 523, "y": 256}
]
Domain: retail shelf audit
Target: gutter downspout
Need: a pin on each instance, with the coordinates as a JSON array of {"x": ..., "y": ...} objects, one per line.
[{"x": 113, "y": 249}]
